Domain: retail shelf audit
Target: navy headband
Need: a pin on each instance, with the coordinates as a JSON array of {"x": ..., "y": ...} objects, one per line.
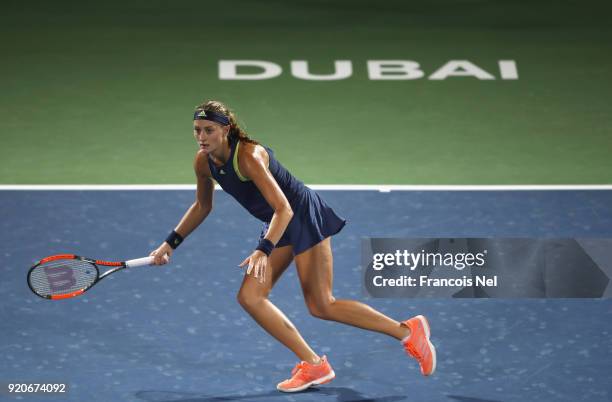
[{"x": 211, "y": 116}]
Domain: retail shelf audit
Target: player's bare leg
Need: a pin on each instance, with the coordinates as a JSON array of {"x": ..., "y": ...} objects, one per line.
[
  {"x": 253, "y": 297},
  {"x": 315, "y": 270}
]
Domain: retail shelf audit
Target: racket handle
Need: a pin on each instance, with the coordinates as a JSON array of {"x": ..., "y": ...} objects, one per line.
[{"x": 139, "y": 262}]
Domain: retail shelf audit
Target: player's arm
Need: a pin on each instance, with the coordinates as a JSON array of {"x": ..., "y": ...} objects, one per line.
[
  {"x": 202, "y": 206},
  {"x": 196, "y": 213},
  {"x": 253, "y": 163}
]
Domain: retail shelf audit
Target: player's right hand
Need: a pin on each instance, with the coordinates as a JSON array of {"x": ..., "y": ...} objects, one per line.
[{"x": 162, "y": 254}]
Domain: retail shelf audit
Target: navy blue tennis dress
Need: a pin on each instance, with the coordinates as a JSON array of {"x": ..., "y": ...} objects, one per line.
[{"x": 313, "y": 220}]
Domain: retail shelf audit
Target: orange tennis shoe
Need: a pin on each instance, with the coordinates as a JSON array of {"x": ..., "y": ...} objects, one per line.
[
  {"x": 418, "y": 345},
  {"x": 305, "y": 374}
]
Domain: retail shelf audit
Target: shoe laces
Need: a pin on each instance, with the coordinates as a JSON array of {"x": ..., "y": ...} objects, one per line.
[
  {"x": 301, "y": 368},
  {"x": 410, "y": 348}
]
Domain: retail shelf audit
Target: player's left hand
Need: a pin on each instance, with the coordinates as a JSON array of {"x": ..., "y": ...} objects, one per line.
[{"x": 258, "y": 262}]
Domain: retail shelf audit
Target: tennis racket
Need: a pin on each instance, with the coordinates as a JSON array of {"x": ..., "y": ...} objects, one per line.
[{"x": 67, "y": 275}]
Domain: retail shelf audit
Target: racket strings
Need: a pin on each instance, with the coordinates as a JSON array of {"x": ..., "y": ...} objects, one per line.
[{"x": 62, "y": 276}]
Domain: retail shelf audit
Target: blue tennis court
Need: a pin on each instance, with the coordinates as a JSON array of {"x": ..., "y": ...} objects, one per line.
[{"x": 176, "y": 333}]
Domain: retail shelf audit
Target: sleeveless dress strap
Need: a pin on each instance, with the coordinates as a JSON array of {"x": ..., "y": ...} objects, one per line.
[{"x": 235, "y": 163}]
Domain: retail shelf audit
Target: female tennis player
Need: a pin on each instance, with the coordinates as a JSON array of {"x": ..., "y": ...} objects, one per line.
[{"x": 298, "y": 226}]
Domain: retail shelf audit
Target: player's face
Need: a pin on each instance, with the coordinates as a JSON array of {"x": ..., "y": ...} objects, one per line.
[{"x": 209, "y": 135}]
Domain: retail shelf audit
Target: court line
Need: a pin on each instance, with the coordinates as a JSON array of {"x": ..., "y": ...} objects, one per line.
[{"x": 342, "y": 187}]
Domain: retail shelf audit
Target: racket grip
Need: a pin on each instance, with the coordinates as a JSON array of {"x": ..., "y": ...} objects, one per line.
[{"x": 139, "y": 262}]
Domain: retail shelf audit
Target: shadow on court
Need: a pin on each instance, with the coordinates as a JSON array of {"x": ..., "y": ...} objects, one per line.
[
  {"x": 459, "y": 398},
  {"x": 339, "y": 394}
]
